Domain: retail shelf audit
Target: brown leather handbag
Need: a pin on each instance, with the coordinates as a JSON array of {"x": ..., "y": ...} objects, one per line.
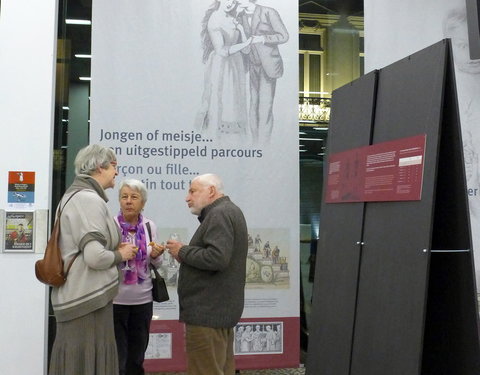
[{"x": 49, "y": 270}]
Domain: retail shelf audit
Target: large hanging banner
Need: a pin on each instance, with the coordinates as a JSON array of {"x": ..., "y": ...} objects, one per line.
[
  {"x": 182, "y": 88},
  {"x": 421, "y": 24}
]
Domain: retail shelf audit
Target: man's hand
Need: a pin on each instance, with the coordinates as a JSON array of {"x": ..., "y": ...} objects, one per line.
[{"x": 174, "y": 248}]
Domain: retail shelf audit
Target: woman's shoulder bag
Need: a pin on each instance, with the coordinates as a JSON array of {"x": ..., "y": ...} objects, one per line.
[
  {"x": 49, "y": 270},
  {"x": 159, "y": 288}
]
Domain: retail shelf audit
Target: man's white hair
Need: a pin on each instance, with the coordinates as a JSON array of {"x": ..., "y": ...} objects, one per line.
[{"x": 210, "y": 179}]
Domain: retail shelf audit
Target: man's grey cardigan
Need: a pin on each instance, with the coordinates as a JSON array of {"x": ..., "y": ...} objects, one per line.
[{"x": 212, "y": 272}]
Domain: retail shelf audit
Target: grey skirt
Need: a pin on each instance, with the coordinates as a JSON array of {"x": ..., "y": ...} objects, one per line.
[{"x": 86, "y": 345}]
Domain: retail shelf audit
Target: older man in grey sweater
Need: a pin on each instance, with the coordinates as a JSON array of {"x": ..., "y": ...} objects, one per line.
[{"x": 212, "y": 277}]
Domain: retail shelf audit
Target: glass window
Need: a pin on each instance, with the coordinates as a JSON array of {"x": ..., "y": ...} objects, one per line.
[
  {"x": 301, "y": 59},
  {"x": 311, "y": 42},
  {"x": 331, "y": 54}
]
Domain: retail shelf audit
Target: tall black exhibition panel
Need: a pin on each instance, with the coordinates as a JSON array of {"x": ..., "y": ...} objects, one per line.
[
  {"x": 337, "y": 273},
  {"x": 411, "y": 302}
]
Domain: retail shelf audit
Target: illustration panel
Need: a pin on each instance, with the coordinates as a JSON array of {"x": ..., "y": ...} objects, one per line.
[
  {"x": 258, "y": 338},
  {"x": 268, "y": 258},
  {"x": 159, "y": 346}
]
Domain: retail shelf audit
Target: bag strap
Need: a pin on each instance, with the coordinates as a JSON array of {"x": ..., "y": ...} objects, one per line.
[
  {"x": 70, "y": 264},
  {"x": 149, "y": 229},
  {"x": 68, "y": 200},
  {"x": 58, "y": 218}
]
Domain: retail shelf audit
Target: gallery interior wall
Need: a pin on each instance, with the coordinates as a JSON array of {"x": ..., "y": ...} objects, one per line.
[
  {"x": 411, "y": 26},
  {"x": 27, "y": 65}
]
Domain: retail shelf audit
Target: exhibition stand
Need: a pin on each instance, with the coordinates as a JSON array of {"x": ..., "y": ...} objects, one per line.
[{"x": 394, "y": 289}]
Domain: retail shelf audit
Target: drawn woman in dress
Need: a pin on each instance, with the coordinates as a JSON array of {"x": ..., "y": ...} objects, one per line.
[
  {"x": 238, "y": 338},
  {"x": 223, "y": 111},
  {"x": 270, "y": 337},
  {"x": 247, "y": 337},
  {"x": 257, "y": 339}
]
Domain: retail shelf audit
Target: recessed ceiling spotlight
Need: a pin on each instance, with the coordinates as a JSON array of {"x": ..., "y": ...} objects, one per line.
[{"x": 70, "y": 21}]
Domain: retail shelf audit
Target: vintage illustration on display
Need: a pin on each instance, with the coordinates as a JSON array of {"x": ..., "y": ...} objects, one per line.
[
  {"x": 268, "y": 259},
  {"x": 159, "y": 346},
  {"x": 240, "y": 40},
  {"x": 258, "y": 338}
]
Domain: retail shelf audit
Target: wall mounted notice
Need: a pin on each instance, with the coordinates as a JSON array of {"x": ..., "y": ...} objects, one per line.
[
  {"x": 387, "y": 171},
  {"x": 19, "y": 228},
  {"x": 21, "y": 189}
]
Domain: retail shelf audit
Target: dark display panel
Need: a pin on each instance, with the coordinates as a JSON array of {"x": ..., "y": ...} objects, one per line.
[{"x": 394, "y": 287}]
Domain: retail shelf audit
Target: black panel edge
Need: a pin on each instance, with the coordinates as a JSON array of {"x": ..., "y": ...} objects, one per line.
[
  {"x": 313, "y": 366},
  {"x": 451, "y": 338}
]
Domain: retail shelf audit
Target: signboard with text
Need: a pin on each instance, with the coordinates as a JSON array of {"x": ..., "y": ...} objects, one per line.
[
  {"x": 172, "y": 104},
  {"x": 21, "y": 188},
  {"x": 387, "y": 171}
]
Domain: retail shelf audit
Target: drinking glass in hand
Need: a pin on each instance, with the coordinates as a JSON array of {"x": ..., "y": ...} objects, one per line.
[{"x": 130, "y": 238}]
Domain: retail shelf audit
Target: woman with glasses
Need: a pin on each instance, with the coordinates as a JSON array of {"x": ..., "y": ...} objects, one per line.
[{"x": 85, "y": 339}]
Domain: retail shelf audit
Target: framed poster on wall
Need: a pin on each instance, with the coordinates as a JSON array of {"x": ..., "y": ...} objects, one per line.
[{"x": 18, "y": 231}]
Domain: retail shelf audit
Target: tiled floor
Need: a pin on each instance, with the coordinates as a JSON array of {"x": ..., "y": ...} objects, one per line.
[
  {"x": 277, "y": 371},
  {"x": 287, "y": 371}
]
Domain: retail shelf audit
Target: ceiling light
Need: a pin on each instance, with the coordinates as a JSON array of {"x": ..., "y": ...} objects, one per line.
[
  {"x": 77, "y": 22},
  {"x": 83, "y": 56},
  {"x": 84, "y": 78},
  {"x": 311, "y": 139}
]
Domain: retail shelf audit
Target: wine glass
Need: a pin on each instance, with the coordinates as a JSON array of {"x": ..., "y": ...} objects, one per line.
[
  {"x": 171, "y": 260},
  {"x": 130, "y": 238}
]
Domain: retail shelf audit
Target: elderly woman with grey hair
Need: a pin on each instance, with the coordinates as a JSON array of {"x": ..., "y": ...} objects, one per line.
[
  {"x": 133, "y": 306},
  {"x": 85, "y": 338}
]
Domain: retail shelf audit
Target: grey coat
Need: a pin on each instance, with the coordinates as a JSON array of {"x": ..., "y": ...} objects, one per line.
[
  {"x": 212, "y": 273},
  {"x": 93, "y": 278}
]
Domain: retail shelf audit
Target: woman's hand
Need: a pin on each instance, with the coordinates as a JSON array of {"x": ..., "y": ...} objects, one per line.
[
  {"x": 127, "y": 250},
  {"x": 157, "y": 250},
  {"x": 238, "y": 26},
  {"x": 258, "y": 39}
]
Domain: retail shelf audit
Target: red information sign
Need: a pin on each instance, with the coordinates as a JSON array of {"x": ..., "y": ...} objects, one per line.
[
  {"x": 21, "y": 187},
  {"x": 388, "y": 171}
]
